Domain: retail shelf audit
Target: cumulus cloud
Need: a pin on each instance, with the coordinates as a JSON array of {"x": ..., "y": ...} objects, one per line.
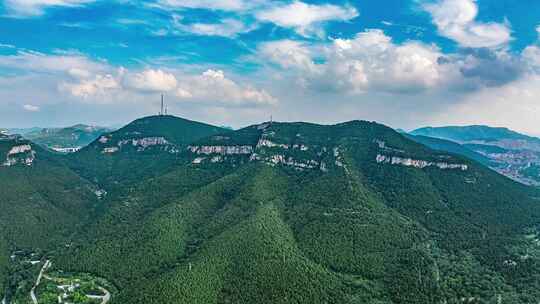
[
  {"x": 455, "y": 19},
  {"x": 288, "y": 54},
  {"x": 31, "y": 108},
  {"x": 369, "y": 61},
  {"x": 152, "y": 81},
  {"x": 99, "y": 85},
  {"x": 27, "y": 8},
  {"x": 490, "y": 67},
  {"x": 214, "y": 88},
  {"x": 302, "y": 17}
]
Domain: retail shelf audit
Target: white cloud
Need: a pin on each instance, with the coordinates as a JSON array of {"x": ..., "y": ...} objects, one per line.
[
  {"x": 27, "y": 8},
  {"x": 212, "y": 87},
  {"x": 531, "y": 54},
  {"x": 455, "y": 19},
  {"x": 31, "y": 108},
  {"x": 99, "y": 85},
  {"x": 28, "y": 61},
  {"x": 369, "y": 61},
  {"x": 7, "y": 46},
  {"x": 303, "y": 17},
  {"x": 226, "y": 28},
  {"x": 152, "y": 81},
  {"x": 78, "y": 78},
  {"x": 288, "y": 54}
]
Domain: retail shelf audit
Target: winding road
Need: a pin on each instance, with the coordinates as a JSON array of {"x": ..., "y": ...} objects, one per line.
[{"x": 33, "y": 290}]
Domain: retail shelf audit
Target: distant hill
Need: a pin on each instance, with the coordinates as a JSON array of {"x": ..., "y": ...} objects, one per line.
[
  {"x": 21, "y": 131},
  {"x": 470, "y": 133},
  {"x": 511, "y": 153},
  {"x": 71, "y": 137}
]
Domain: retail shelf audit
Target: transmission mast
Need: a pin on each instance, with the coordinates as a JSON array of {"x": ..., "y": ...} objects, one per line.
[{"x": 161, "y": 112}]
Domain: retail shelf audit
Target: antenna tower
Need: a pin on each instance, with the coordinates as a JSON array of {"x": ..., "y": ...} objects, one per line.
[{"x": 161, "y": 112}]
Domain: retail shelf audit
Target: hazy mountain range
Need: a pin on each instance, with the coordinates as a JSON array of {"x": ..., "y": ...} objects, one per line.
[
  {"x": 76, "y": 136},
  {"x": 508, "y": 152}
]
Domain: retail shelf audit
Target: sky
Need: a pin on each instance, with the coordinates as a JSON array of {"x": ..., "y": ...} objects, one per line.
[{"x": 404, "y": 63}]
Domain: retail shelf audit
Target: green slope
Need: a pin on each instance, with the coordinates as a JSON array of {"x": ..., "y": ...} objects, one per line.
[
  {"x": 42, "y": 204},
  {"x": 304, "y": 213}
]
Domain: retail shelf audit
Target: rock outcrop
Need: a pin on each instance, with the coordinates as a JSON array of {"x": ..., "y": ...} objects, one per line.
[
  {"x": 416, "y": 163},
  {"x": 223, "y": 150},
  {"x": 20, "y": 154}
]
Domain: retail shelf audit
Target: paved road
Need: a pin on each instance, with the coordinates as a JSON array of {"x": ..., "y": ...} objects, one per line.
[
  {"x": 33, "y": 290},
  {"x": 104, "y": 299}
]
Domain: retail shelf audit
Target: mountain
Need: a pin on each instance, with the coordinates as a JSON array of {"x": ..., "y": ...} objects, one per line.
[
  {"x": 306, "y": 213},
  {"x": 452, "y": 147},
  {"x": 42, "y": 202},
  {"x": 21, "y": 131},
  {"x": 144, "y": 147},
  {"x": 61, "y": 139},
  {"x": 512, "y": 154}
]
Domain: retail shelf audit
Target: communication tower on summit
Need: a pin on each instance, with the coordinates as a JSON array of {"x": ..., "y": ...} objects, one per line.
[{"x": 161, "y": 112}]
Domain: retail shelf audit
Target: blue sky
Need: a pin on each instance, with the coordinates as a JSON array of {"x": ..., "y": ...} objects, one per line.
[{"x": 406, "y": 63}]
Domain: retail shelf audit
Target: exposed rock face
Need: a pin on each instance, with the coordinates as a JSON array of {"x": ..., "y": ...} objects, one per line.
[
  {"x": 409, "y": 162},
  {"x": 19, "y": 149},
  {"x": 140, "y": 143},
  {"x": 270, "y": 144},
  {"x": 20, "y": 154},
  {"x": 223, "y": 150},
  {"x": 276, "y": 159},
  {"x": 144, "y": 142},
  {"x": 110, "y": 150}
]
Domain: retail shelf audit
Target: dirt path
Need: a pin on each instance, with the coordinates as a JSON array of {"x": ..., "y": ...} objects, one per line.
[{"x": 33, "y": 290}]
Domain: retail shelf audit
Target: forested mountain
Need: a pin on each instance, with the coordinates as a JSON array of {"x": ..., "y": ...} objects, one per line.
[
  {"x": 143, "y": 148},
  {"x": 296, "y": 213},
  {"x": 71, "y": 137}
]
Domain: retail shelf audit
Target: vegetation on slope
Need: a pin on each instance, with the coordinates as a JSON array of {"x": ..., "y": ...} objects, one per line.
[{"x": 42, "y": 204}]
